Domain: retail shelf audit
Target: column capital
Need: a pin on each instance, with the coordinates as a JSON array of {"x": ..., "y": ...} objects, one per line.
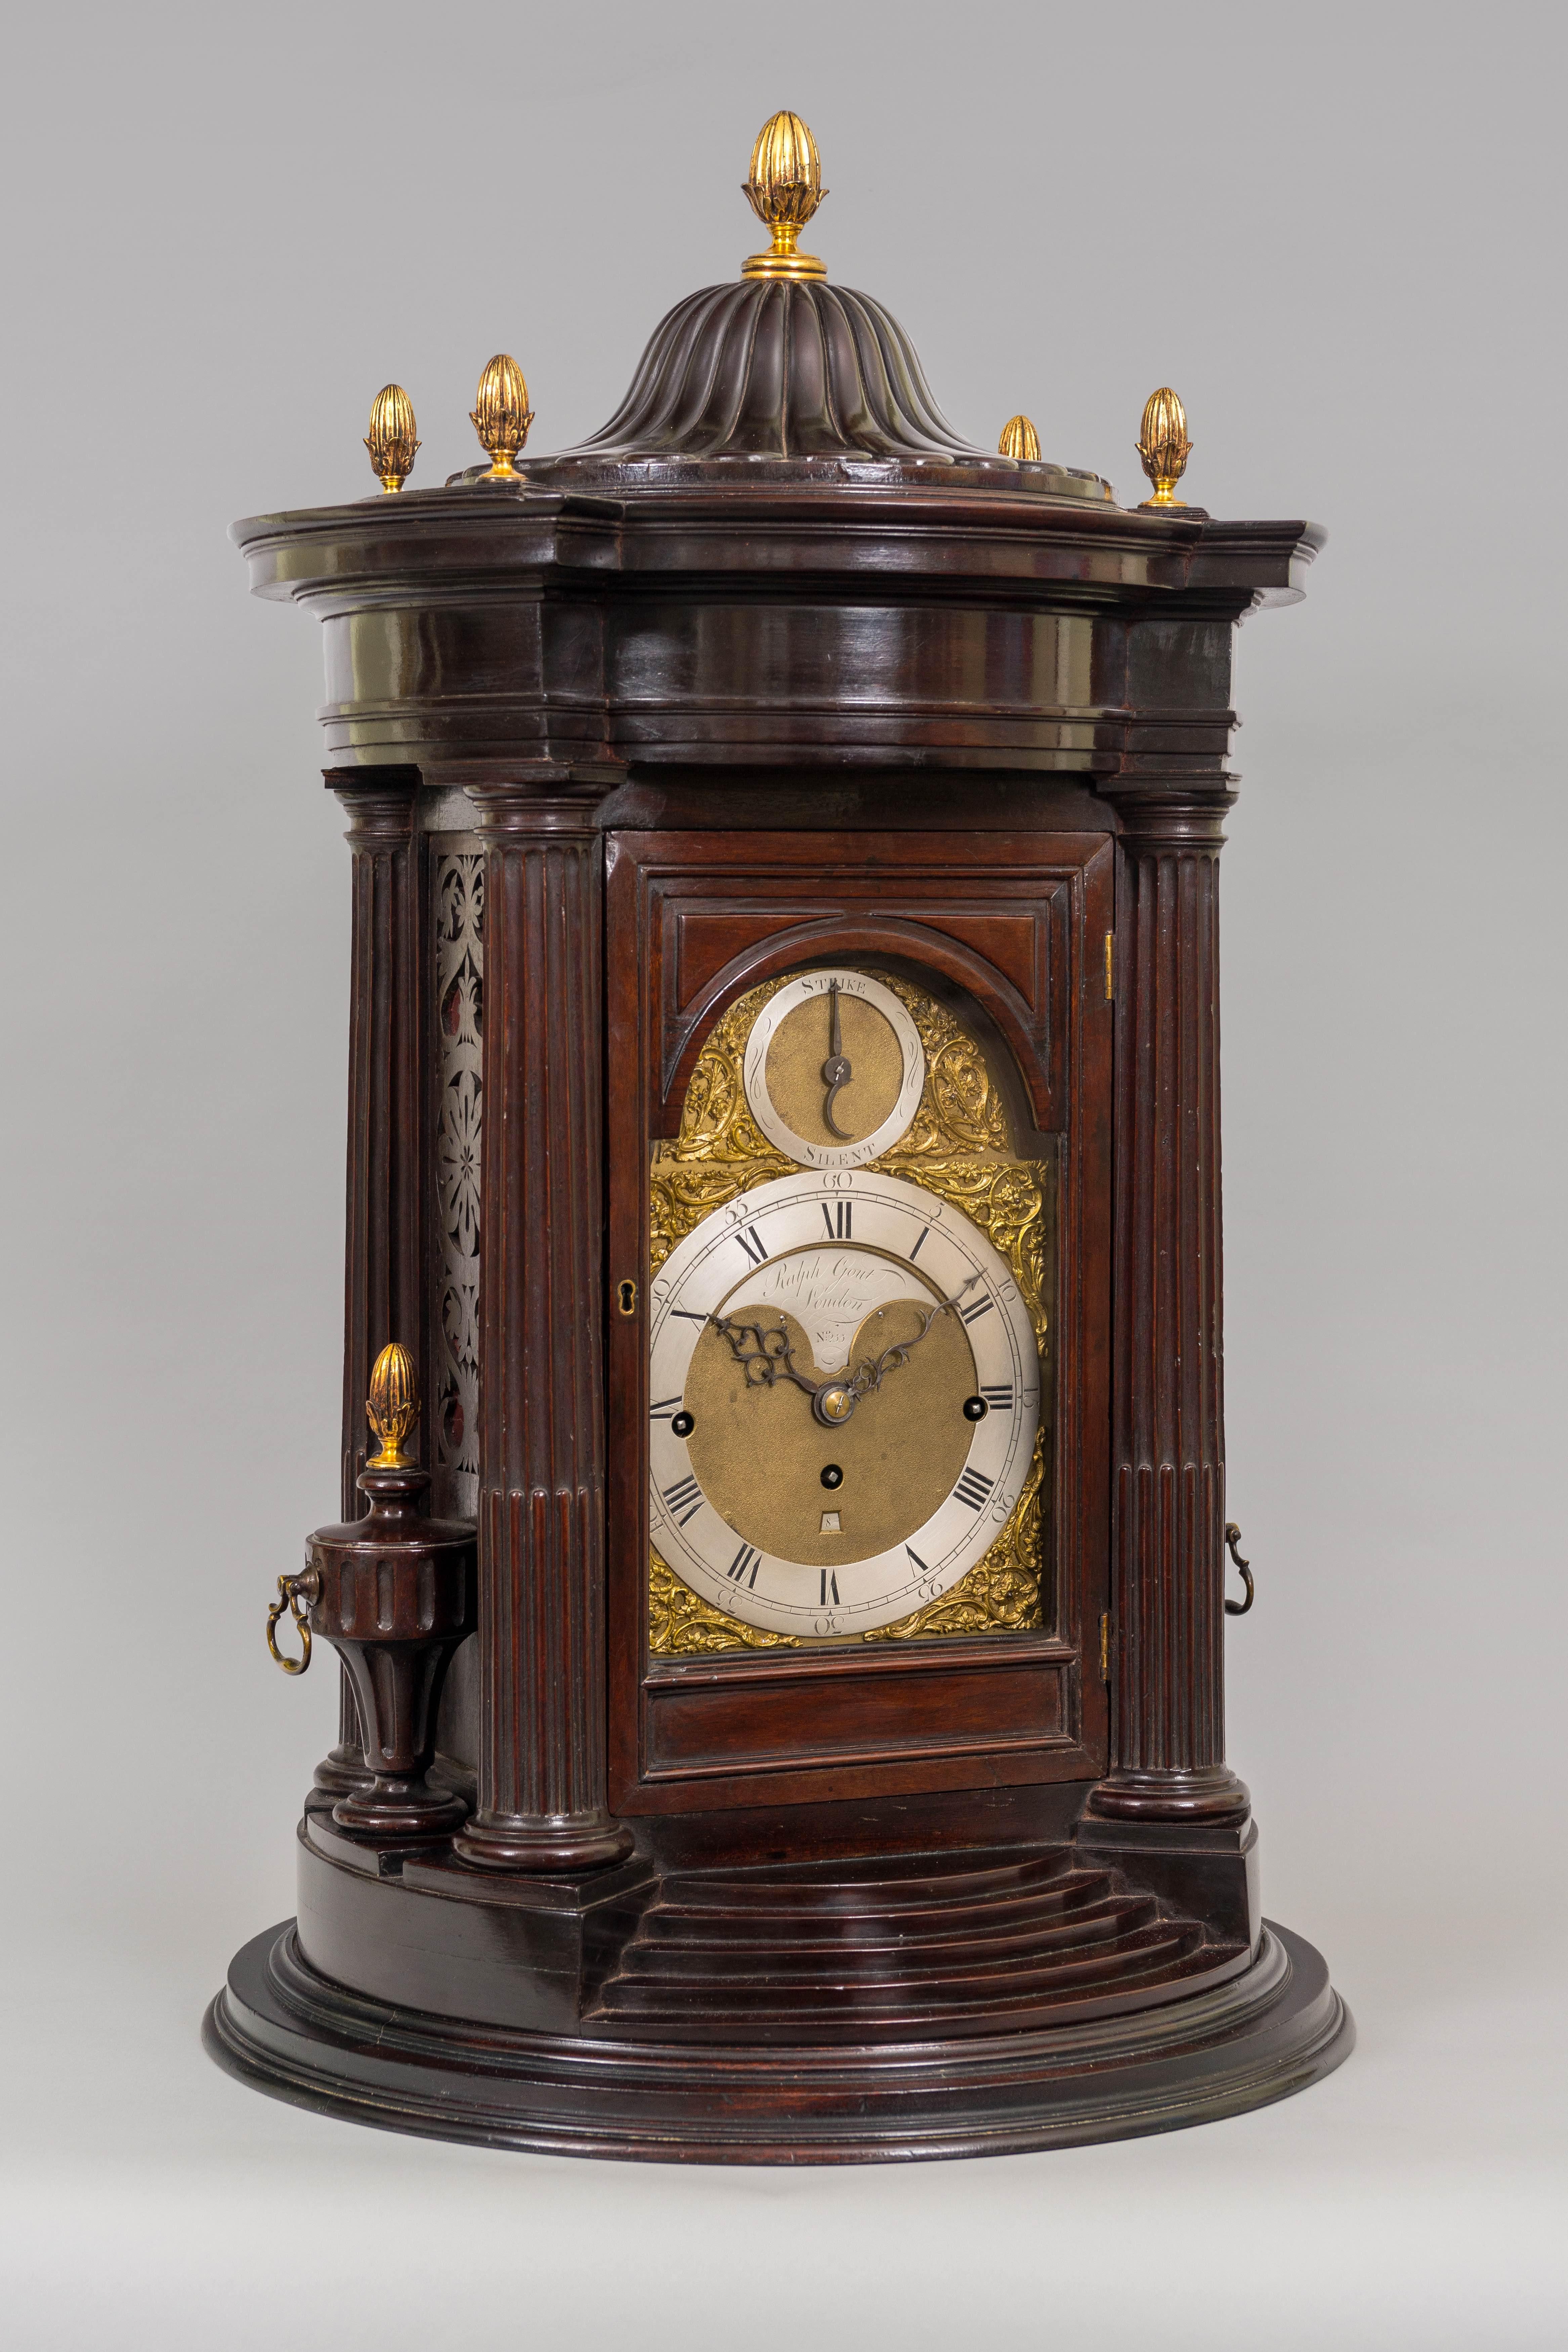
[
  {"x": 380, "y": 804},
  {"x": 1170, "y": 817},
  {"x": 533, "y": 797}
]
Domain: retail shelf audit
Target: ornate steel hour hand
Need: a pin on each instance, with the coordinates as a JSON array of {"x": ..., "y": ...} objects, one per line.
[
  {"x": 765, "y": 1364},
  {"x": 836, "y": 1071},
  {"x": 832, "y": 1400}
]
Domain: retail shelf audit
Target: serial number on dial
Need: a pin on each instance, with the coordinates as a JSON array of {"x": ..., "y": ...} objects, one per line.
[{"x": 845, "y": 1395}]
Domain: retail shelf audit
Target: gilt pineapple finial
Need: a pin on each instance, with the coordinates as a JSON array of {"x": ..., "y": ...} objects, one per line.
[
  {"x": 501, "y": 417},
  {"x": 1163, "y": 445},
  {"x": 784, "y": 189},
  {"x": 393, "y": 1406},
  {"x": 393, "y": 436},
  {"x": 1020, "y": 439}
]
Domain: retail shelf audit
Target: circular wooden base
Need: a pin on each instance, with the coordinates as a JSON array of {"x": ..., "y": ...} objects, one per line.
[{"x": 1274, "y": 2028}]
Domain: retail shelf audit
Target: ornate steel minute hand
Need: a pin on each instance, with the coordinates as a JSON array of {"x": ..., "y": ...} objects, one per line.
[
  {"x": 836, "y": 1070},
  {"x": 869, "y": 1372}
]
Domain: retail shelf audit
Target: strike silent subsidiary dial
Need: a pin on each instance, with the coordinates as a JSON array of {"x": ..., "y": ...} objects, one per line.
[{"x": 834, "y": 1068}]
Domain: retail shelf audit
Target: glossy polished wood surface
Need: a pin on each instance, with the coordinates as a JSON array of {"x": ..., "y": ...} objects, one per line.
[
  {"x": 855, "y": 626},
  {"x": 776, "y": 669}
]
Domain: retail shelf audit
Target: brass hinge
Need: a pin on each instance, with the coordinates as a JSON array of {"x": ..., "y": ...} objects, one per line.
[
  {"x": 1109, "y": 967},
  {"x": 1105, "y": 1647}
]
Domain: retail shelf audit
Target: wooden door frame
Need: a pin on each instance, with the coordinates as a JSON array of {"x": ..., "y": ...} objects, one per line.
[{"x": 1041, "y": 903}]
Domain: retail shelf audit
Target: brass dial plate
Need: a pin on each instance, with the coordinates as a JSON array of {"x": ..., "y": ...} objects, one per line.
[{"x": 801, "y": 1291}]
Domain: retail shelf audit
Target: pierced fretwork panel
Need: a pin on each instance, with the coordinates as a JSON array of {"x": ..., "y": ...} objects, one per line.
[{"x": 458, "y": 892}]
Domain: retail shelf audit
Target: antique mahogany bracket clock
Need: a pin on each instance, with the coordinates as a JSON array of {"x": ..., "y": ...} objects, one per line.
[{"x": 783, "y": 1249}]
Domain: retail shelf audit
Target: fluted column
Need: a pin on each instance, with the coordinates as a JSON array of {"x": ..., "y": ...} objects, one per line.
[
  {"x": 384, "y": 1291},
  {"x": 1166, "y": 1652},
  {"x": 541, "y": 1762}
]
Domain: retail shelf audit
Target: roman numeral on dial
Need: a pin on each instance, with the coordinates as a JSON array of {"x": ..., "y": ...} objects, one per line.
[
  {"x": 746, "y": 1559},
  {"x": 684, "y": 1500},
  {"x": 982, "y": 1305},
  {"x": 664, "y": 1409},
  {"x": 751, "y": 1243},
  {"x": 1000, "y": 1399},
  {"x": 838, "y": 1216},
  {"x": 829, "y": 1588},
  {"x": 973, "y": 1487}
]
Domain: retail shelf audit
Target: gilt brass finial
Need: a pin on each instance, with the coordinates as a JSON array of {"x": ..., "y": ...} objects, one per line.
[
  {"x": 1163, "y": 445},
  {"x": 1020, "y": 439},
  {"x": 393, "y": 1406},
  {"x": 784, "y": 189},
  {"x": 391, "y": 439},
  {"x": 502, "y": 416}
]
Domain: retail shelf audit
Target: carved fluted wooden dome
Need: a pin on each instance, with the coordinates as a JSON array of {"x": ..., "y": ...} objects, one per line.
[
  {"x": 787, "y": 378},
  {"x": 780, "y": 368}
]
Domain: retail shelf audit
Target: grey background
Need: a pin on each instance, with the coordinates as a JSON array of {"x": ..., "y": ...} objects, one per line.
[{"x": 1336, "y": 231}]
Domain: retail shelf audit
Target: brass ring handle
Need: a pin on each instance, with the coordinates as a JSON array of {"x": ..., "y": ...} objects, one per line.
[
  {"x": 1232, "y": 1540},
  {"x": 291, "y": 1590}
]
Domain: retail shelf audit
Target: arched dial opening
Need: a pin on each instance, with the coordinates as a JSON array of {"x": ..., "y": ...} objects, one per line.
[{"x": 848, "y": 1329}]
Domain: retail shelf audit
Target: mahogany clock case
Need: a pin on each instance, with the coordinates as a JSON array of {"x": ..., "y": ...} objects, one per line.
[{"x": 681, "y": 723}]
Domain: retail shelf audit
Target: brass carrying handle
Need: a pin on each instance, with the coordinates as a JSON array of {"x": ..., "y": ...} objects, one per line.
[
  {"x": 1232, "y": 1540},
  {"x": 291, "y": 1591}
]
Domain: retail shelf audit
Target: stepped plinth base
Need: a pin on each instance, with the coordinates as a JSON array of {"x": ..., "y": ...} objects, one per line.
[{"x": 1255, "y": 2036}]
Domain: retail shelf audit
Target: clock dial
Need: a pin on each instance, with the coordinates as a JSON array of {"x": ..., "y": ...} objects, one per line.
[
  {"x": 834, "y": 1069},
  {"x": 846, "y": 1388}
]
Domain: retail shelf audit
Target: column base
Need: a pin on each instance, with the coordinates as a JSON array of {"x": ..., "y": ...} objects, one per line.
[
  {"x": 400, "y": 1809},
  {"x": 524, "y": 1841},
  {"x": 343, "y": 1772},
  {"x": 1211, "y": 1793}
]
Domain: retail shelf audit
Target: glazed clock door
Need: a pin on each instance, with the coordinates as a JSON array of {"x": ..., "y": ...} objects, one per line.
[{"x": 858, "y": 1140}]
